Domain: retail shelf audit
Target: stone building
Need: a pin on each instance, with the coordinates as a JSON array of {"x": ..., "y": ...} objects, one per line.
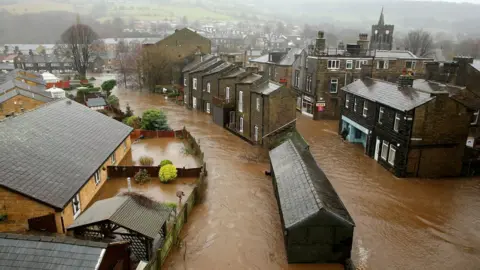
[
  {"x": 56, "y": 159},
  {"x": 201, "y": 89},
  {"x": 17, "y": 97},
  {"x": 188, "y": 86},
  {"x": 413, "y": 128},
  {"x": 278, "y": 65},
  {"x": 382, "y": 35}
]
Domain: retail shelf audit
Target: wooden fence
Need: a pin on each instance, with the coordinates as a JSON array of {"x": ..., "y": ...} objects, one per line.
[
  {"x": 151, "y": 134},
  {"x": 130, "y": 171}
]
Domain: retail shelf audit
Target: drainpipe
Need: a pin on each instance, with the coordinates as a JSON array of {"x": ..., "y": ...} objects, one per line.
[
  {"x": 129, "y": 182},
  {"x": 263, "y": 116}
]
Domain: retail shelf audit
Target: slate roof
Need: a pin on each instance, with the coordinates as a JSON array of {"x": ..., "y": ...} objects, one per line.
[
  {"x": 96, "y": 102},
  {"x": 207, "y": 64},
  {"x": 14, "y": 87},
  {"x": 128, "y": 213},
  {"x": 233, "y": 73},
  {"x": 26, "y": 252},
  {"x": 194, "y": 64},
  {"x": 49, "y": 153},
  {"x": 267, "y": 88},
  {"x": 251, "y": 78},
  {"x": 286, "y": 60},
  {"x": 220, "y": 68},
  {"x": 303, "y": 189},
  {"x": 7, "y": 66},
  {"x": 17, "y": 73},
  {"x": 261, "y": 59},
  {"x": 476, "y": 64},
  {"x": 389, "y": 94}
]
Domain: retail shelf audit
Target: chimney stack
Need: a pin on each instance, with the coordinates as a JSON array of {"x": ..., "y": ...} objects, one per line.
[
  {"x": 366, "y": 71},
  {"x": 341, "y": 45},
  {"x": 198, "y": 55},
  {"x": 320, "y": 43},
  {"x": 405, "y": 80},
  {"x": 363, "y": 42},
  {"x": 432, "y": 70},
  {"x": 463, "y": 63}
]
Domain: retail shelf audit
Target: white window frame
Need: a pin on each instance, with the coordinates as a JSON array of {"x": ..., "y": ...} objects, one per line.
[
  {"x": 476, "y": 118},
  {"x": 309, "y": 83},
  {"x": 97, "y": 178},
  {"x": 258, "y": 103},
  {"x": 297, "y": 78},
  {"x": 391, "y": 156},
  {"x": 207, "y": 109},
  {"x": 185, "y": 98},
  {"x": 381, "y": 112},
  {"x": 349, "y": 62},
  {"x": 194, "y": 102},
  {"x": 384, "y": 153},
  {"x": 347, "y": 100},
  {"x": 413, "y": 65},
  {"x": 194, "y": 84},
  {"x": 227, "y": 94},
  {"x": 255, "y": 134},
  {"x": 76, "y": 209},
  {"x": 365, "y": 108},
  {"x": 355, "y": 104},
  {"x": 396, "y": 122},
  {"x": 336, "y": 86},
  {"x": 208, "y": 87},
  {"x": 240, "y": 101},
  {"x": 333, "y": 64},
  {"x": 185, "y": 82},
  {"x": 241, "y": 124},
  {"x": 113, "y": 158},
  {"x": 360, "y": 63}
]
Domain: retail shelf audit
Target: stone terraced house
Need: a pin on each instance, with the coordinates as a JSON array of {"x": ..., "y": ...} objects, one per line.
[{"x": 53, "y": 162}]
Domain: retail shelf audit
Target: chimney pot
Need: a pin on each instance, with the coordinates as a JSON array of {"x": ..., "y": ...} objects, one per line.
[{"x": 405, "y": 80}]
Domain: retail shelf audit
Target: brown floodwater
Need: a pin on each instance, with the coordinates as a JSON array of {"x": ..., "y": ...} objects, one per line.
[
  {"x": 160, "y": 149},
  {"x": 400, "y": 223},
  {"x": 153, "y": 189}
]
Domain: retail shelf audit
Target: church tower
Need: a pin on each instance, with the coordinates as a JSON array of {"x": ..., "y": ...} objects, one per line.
[{"x": 382, "y": 35}]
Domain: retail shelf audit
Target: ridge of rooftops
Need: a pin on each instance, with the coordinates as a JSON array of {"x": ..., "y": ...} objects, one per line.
[{"x": 405, "y": 98}]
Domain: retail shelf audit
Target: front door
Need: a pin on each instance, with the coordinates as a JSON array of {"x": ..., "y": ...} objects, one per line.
[{"x": 377, "y": 149}]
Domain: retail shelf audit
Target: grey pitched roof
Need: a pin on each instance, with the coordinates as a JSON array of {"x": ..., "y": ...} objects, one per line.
[
  {"x": 41, "y": 252},
  {"x": 7, "y": 66},
  {"x": 207, "y": 64},
  {"x": 128, "y": 213},
  {"x": 220, "y": 68},
  {"x": 49, "y": 153},
  {"x": 14, "y": 87},
  {"x": 261, "y": 59},
  {"x": 303, "y": 189},
  {"x": 96, "y": 102},
  {"x": 267, "y": 88},
  {"x": 476, "y": 64},
  {"x": 289, "y": 58},
  {"x": 389, "y": 94},
  {"x": 194, "y": 64},
  {"x": 234, "y": 72},
  {"x": 18, "y": 73},
  {"x": 251, "y": 78}
]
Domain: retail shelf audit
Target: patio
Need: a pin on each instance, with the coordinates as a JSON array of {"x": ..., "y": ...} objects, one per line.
[{"x": 159, "y": 149}]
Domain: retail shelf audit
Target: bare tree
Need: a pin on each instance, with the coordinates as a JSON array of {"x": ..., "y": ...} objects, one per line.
[
  {"x": 128, "y": 69},
  {"x": 78, "y": 38},
  {"x": 419, "y": 42}
]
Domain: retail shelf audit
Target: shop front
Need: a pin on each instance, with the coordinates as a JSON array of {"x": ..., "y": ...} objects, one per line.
[
  {"x": 307, "y": 105},
  {"x": 354, "y": 132}
]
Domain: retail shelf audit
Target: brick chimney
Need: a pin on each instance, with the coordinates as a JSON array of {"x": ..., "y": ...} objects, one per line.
[
  {"x": 405, "y": 80},
  {"x": 432, "y": 71},
  {"x": 320, "y": 43},
  {"x": 363, "y": 42},
  {"x": 198, "y": 55},
  {"x": 463, "y": 63}
]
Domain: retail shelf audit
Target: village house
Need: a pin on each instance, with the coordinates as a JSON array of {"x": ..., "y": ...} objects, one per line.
[
  {"x": 47, "y": 62},
  {"x": 200, "y": 89},
  {"x": 56, "y": 159},
  {"x": 278, "y": 65},
  {"x": 177, "y": 47},
  {"x": 413, "y": 128},
  {"x": 20, "y": 251},
  {"x": 28, "y": 77},
  {"x": 210, "y": 83},
  {"x": 17, "y": 97},
  {"x": 188, "y": 86},
  {"x": 224, "y": 98},
  {"x": 317, "y": 227}
]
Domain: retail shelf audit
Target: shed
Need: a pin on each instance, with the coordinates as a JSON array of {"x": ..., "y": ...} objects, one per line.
[
  {"x": 56, "y": 92},
  {"x": 97, "y": 103},
  {"x": 134, "y": 218},
  {"x": 317, "y": 226}
]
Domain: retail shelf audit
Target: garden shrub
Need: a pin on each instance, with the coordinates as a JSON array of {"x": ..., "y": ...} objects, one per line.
[
  {"x": 154, "y": 119},
  {"x": 170, "y": 204},
  {"x": 165, "y": 162},
  {"x": 146, "y": 161},
  {"x": 133, "y": 121},
  {"x": 141, "y": 176},
  {"x": 167, "y": 173}
]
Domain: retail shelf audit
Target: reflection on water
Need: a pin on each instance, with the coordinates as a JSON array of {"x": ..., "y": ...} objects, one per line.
[
  {"x": 160, "y": 149},
  {"x": 400, "y": 224}
]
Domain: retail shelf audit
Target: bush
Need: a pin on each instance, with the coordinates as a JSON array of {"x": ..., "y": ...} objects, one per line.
[
  {"x": 170, "y": 204},
  {"x": 108, "y": 86},
  {"x": 146, "y": 161},
  {"x": 165, "y": 162},
  {"x": 154, "y": 119},
  {"x": 133, "y": 121},
  {"x": 141, "y": 176},
  {"x": 113, "y": 101},
  {"x": 167, "y": 173}
]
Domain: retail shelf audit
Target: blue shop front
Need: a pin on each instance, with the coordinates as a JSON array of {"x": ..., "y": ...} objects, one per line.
[{"x": 355, "y": 133}]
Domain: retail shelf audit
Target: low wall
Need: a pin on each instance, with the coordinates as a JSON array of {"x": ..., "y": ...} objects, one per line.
[{"x": 130, "y": 171}]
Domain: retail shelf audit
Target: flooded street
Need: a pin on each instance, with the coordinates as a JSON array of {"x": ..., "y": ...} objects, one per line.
[{"x": 400, "y": 224}]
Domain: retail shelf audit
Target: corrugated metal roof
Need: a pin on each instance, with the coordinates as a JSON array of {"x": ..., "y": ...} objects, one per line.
[
  {"x": 303, "y": 189},
  {"x": 63, "y": 143},
  {"x": 128, "y": 213},
  {"x": 389, "y": 94},
  {"x": 42, "y": 252}
]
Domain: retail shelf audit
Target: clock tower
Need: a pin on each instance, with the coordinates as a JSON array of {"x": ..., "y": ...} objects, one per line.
[{"x": 382, "y": 35}]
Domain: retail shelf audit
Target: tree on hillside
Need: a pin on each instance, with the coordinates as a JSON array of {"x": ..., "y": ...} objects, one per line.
[
  {"x": 78, "y": 39},
  {"x": 419, "y": 42}
]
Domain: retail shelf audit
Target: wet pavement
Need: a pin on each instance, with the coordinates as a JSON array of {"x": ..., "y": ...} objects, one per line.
[
  {"x": 400, "y": 223},
  {"x": 159, "y": 149}
]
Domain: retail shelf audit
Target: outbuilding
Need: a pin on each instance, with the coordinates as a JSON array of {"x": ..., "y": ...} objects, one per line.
[{"x": 317, "y": 226}]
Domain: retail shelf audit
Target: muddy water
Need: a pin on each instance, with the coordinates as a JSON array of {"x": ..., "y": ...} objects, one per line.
[
  {"x": 159, "y": 149},
  {"x": 400, "y": 224}
]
